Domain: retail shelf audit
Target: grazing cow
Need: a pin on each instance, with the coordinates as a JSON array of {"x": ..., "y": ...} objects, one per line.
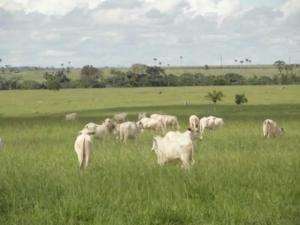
[
  {"x": 168, "y": 120},
  {"x": 194, "y": 123},
  {"x": 83, "y": 147},
  {"x": 71, "y": 116},
  {"x": 174, "y": 146},
  {"x": 120, "y": 117},
  {"x": 1, "y": 144},
  {"x": 101, "y": 130},
  {"x": 127, "y": 130},
  {"x": 210, "y": 122},
  {"x": 152, "y": 124},
  {"x": 142, "y": 115},
  {"x": 271, "y": 129}
]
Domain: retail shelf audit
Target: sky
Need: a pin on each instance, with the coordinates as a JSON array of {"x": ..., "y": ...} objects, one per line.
[{"x": 125, "y": 32}]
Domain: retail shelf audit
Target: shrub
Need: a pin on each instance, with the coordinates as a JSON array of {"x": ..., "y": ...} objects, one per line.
[
  {"x": 215, "y": 96},
  {"x": 240, "y": 99}
]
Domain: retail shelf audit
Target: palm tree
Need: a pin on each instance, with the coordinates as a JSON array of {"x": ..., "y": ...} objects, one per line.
[
  {"x": 280, "y": 65},
  {"x": 215, "y": 96},
  {"x": 155, "y": 60}
]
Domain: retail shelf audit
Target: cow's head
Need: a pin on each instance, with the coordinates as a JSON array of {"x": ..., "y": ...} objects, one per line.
[{"x": 155, "y": 144}]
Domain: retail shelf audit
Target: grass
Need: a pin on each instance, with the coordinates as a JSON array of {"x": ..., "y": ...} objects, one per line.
[
  {"x": 247, "y": 71},
  {"x": 238, "y": 177}
]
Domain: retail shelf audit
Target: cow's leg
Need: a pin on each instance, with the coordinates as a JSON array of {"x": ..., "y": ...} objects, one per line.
[
  {"x": 80, "y": 155},
  {"x": 87, "y": 155}
]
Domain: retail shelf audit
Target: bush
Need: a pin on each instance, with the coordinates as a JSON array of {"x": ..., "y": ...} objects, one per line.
[
  {"x": 215, "y": 96},
  {"x": 240, "y": 99},
  {"x": 31, "y": 84}
]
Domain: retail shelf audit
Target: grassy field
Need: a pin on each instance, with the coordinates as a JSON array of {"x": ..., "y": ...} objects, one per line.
[
  {"x": 238, "y": 177},
  {"x": 246, "y": 71}
]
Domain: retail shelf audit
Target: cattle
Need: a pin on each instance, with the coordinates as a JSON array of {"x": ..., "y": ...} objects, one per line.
[
  {"x": 1, "y": 144},
  {"x": 152, "y": 124},
  {"x": 271, "y": 129},
  {"x": 168, "y": 120},
  {"x": 120, "y": 117},
  {"x": 127, "y": 130},
  {"x": 174, "y": 146},
  {"x": 210, "y": 122},
  {"x": 83, "y": 147},
  {"x": 101, "y": 130},
  {"x": 142, "y": 115},
  {"x": 194, "y": 123},
  {"x": 71, "y": 116}
]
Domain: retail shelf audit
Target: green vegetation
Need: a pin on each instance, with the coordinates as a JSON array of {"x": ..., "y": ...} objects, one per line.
[
  {"x": 240, "y": 99},
  {"x": 238, "y": 177},
  {"x": 140, "y": 75},
  {"x": 215, "y": 96}
]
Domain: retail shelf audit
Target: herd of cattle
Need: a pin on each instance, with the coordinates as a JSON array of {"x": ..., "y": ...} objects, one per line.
[{"x": 171, "y": 146}]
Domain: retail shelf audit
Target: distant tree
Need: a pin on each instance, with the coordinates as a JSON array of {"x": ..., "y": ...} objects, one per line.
[
  {"x": 280, "y": 64},
  {"x": 206, "y": 67},
  {"x": 56, "y": 80},
  {"x": 89, "y": 74},
  {"x": 215, "y": 96},
  {"x": 181, "y": 58},
  {"x": 240, "y": 99}
]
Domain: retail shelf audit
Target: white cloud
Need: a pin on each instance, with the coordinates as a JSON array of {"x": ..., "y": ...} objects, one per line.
[
  {"x": 48, "y": 7},
  {"x": 114, "y": 32},
  {"x": 291, "y": 7}
]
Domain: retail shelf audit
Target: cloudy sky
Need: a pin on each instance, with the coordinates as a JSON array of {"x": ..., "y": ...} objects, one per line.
[{"x": 123, "y": 32}]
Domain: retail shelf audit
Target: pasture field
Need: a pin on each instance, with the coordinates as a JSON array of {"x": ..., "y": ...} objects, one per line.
[
  {"x": 246, "y": 71},
  {"x": 238, "y": 176}
]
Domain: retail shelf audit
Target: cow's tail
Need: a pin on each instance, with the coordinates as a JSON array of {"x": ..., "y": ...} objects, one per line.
[
  {"x": 81, "y": 166},
  {"x": 266, "y": 127}
]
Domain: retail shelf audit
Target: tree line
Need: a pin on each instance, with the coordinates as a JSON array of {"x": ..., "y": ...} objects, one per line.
[{"x": 145, "y": 76}]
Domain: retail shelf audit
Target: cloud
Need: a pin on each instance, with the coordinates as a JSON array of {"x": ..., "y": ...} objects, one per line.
[{"x": 123, "y": 32}]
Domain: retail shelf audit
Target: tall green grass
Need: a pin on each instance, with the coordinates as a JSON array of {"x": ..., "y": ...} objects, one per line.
[{"x": 238, "y": 177}]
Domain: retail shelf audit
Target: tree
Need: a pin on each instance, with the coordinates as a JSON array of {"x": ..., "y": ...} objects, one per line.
[
  {"x": 240, "y": 99},
  {"x": 280, "y": 64},
  {"x": 215, "y": 96},
  {"x": 89, "y": 75},
  {"x": 52, "y": 83}
]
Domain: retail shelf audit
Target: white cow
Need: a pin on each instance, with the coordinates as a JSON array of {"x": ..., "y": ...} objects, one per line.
[
  {"x": 174, "y": 146},
  {"x": 194, "y": 123},
  {"x": 142, "y": 115},
  {"x": 152, "y": 124},
  {"x": 210, "y": 122},
  {"x": 101, "y": 130},
  {"x": 1, "y": 144},
  {"x": 127, "y": 130},
  {"x": 120, "y": 117},
  {"x": 271, "y": 129},
  {"x": 83, "y": 147},
  {"x": 168, "y": 120},
  {"x": 71, "y": 116}
]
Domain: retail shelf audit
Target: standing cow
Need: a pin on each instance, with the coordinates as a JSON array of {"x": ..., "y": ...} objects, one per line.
[
  {"x": 83, "y": 147},
  {"x": 71, "y": 116},
  {"x": 101, "y": 130},
  {"x": 194, "y": 123},
  {"x": 128, "y": 130},
  {"x": 271, "y": 129},
  {"x": 169, "y": 121},
  {"x": 120, "y": 117},
  {"x": 210, "y": 122},
  {"x": 174, "y": 146}
]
